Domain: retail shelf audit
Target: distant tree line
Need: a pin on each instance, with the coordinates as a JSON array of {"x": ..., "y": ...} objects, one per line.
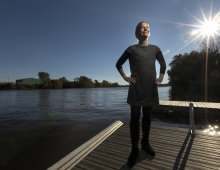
[
  {"x": 78, "y": 82},
  {"x": 48, "y": 83}
]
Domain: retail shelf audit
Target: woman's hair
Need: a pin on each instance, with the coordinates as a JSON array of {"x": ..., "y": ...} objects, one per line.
[{"x": 138, "y": 27}]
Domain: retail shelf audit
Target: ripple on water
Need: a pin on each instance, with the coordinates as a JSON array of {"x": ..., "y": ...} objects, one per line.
[{"x": 29, "y": 117}]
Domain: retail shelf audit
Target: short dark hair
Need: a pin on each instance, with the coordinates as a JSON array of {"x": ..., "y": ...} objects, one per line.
[{"x": 138, "y": 27}]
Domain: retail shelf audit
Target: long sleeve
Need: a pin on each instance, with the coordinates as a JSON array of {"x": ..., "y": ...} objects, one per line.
[
  {"x": 162, "y": 62},
  {"x": 126, "y": 55}
]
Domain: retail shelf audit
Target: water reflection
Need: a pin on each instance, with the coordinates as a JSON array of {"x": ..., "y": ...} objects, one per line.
[
  {"x": 44, "y": 96},
  {"x": 203, "y": 117},
  {"x": 212, "y": 130}
]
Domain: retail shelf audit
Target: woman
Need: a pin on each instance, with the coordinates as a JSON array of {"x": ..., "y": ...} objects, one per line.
[{"x": 142, "y": 91}]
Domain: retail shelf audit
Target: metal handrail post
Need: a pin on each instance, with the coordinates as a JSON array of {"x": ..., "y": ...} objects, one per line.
[{"x": 191, "y": 117}]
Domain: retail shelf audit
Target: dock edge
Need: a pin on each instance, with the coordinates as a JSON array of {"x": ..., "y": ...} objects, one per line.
[{"x": 82, "y": 151}]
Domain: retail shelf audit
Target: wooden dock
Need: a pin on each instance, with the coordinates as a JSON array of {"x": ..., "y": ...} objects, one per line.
[
  {"x": 183, "y": 106},
  {"x": 175, "y": 148}
]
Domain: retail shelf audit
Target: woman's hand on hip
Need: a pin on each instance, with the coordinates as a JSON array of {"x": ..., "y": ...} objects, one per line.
[
  {"x": 158, "y": 80},
  {"x": 130, "y": 80}
]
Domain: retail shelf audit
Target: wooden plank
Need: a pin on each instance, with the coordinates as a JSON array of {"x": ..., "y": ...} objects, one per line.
[
  {"x": 213, "y": 105},
  {"x": 207, "y": 105},
  {"x": 210, "y": 105},
  {"x": 180, "y": 103},
  {"x": 186, "y": 104},
  {"x": 166, "y": 102},
  {"x": 119, "y": 151},
  {"x": 200, "y": 148},
  {"x": 204, "y": 104},
  {"x": 161, "y": 102},
  {"x": 169, "y": 103},
  {"x": 172, "y": 103},
  {"x": 113, "y": 151},
  {"x": 195, "y": 104},
  {"x": 183, "y": 103},
  {"x": 216, "y": 105},
  {"x": 171, "y": 136},
  {"x": 177, "y": 103},
  {"x": 88, "y": 164},
  {"x": 78, "y": 168},
  {"x": 200, "y": 104},
  {"x": 182, "y": 152}
]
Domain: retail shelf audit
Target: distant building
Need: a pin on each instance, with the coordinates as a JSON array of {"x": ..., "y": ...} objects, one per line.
[{"x": 28, "y": 81}]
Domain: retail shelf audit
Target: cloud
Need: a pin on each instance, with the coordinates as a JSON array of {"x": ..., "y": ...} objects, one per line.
[
  {"x": 166, "y": 52},
  {"x": 179, "y": 25},
  {"x": 186, "y": 41}
]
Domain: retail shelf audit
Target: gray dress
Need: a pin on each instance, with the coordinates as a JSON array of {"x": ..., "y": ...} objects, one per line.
[{"x": 142, "y": 65}]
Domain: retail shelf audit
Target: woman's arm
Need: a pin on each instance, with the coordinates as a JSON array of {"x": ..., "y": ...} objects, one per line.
[
  {"x": 162, "y": 62},
  {"x": 119, "y": 64},
  {"x": 130, "y": 80},
  {"x": 160, "y": 79},
  {"x": 121, "y": 71}
]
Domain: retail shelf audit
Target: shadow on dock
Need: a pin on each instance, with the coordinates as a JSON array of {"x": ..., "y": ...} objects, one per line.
[{"x": 175, "y": 149}]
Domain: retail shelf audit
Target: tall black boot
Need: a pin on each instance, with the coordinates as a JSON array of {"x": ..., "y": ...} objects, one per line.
[
  {"x": 134, "y": 133},
  {"x": 146, "y": 123}
]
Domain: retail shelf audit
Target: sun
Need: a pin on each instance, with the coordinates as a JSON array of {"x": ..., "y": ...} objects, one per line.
[
  {"x": 210, "y": 28},
  {"x": 207, "y": 27}
]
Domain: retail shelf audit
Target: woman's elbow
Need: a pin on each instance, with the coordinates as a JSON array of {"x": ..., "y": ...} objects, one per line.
[{"x": 118, "y": 66}]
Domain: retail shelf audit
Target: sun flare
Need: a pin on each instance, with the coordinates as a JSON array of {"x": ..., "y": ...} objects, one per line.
[{"x": 209, "y": 28}]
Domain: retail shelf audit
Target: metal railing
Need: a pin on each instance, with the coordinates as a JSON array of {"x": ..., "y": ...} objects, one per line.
[{"x": 191, "y": 118}]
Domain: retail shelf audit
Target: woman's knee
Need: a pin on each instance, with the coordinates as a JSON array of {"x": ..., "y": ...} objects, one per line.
[
  {"x": 135, "y": 114},
  {"x": 147, "y": 111}
]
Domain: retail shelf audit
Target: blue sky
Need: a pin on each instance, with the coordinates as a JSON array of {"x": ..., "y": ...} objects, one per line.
[{"x": 72, "y": 38}]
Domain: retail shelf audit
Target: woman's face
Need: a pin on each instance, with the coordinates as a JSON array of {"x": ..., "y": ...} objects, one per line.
[{"x": 144, "y": 30}]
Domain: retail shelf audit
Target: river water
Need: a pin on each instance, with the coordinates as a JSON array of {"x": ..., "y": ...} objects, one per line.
[{"x": 39, "y": 127}]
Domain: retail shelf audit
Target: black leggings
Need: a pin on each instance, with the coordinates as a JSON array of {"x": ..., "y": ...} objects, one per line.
[{"x": 136, "y": 112}]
